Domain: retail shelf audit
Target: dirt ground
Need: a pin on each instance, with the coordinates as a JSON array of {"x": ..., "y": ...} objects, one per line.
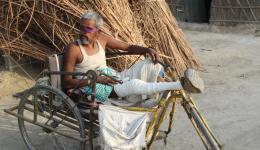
[{"x": 230, "y": 102}]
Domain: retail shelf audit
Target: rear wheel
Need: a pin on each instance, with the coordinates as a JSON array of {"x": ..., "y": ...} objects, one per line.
[{"x": 49, "y": 120}]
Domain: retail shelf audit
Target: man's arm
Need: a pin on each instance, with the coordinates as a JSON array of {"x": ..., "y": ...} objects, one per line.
[
  {"x": 134, "y": 49},
  {"x": 71, "y": 55}
]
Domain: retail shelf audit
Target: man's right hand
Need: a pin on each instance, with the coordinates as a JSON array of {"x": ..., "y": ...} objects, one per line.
[{"x": 106, "y": 80}]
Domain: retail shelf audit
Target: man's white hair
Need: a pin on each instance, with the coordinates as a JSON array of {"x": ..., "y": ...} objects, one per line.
[{"x": 95, "y": 16}]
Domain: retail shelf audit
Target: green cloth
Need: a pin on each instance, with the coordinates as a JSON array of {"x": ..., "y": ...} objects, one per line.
[{"x": 102, "y": 90}]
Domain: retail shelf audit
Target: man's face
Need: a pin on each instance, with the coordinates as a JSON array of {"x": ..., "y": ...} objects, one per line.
[{"x": 88, "y": 31}]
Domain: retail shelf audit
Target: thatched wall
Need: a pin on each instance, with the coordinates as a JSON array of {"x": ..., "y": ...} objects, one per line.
[
  {"x": 190, "y": 10},
  {"x": 177, "y": 8},
  {"x": 231, "y": 12}
]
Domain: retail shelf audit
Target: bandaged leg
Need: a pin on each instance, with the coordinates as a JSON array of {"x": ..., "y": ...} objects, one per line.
[
  {"x": 139, "y": 87},
  {"x": 144, "y": 70}
]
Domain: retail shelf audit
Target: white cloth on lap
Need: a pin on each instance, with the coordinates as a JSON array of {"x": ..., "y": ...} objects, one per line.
[
  {"x": 144, "y": 70},
  {"x": 122, "y": 129}
]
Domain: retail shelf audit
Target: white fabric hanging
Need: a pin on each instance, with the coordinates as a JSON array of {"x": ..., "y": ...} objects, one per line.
[{"x": 122, "y": 129}]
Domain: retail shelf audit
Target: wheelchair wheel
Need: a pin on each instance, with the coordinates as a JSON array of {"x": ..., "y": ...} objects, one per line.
[{"x": 48, "y": 119}]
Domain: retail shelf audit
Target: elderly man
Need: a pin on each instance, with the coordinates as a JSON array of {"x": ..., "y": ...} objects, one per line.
[{"x": 88, "y": 53}]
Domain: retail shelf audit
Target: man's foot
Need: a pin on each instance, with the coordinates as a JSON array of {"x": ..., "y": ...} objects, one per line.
[{"x": 191, "y": 82}]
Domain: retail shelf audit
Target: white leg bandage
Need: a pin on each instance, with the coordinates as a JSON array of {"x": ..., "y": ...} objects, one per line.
[{"x": 139, "y": 87}]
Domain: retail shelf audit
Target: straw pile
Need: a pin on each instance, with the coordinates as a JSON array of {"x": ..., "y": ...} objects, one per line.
[
  {"x": 160, "y": 30},
  {"x": 38, "y": 28}
]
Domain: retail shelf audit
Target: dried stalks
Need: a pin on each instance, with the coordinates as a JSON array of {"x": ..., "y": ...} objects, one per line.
[{"x": 38, "y": 28}]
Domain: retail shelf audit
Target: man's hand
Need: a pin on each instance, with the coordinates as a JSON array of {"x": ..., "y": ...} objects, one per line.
[
  {"x": 135, "y": 49},
  {"x": 106, "y": 80},
  {"x": 153, "y": 54}
]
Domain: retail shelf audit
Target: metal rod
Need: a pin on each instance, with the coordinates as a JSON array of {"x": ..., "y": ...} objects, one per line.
[
  {"x": 171, "y": 115},
  {"x": 63, "y": 123},
  {"x": 205, "y": 123},
  {"x": 35, "y": 107},
  {"x": 44, "y": 126},
  {"x": 205, "y": 131},
  {"x": 91, "y": 129},
  {"x": 157, "y": 126},
  {"x": 11, "y": 108},
  {"x": 67, "y": 73},
  {"x": 194, "y": 125},
  {"x": 139, "y": 109},
  {"x": 120, "y": 53},
  {"x": 151, "y": 124},
  {"x": 62, "y": 114},
  {"x": 155, "y": 116}
]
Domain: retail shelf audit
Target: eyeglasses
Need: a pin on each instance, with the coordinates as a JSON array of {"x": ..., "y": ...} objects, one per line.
[{"x": 88, "y": 29}]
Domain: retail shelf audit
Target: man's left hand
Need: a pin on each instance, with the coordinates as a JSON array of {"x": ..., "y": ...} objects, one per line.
[{"x": 154, "y": 55}]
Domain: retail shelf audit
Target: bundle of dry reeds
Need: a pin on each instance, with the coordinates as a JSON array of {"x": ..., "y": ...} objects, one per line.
[
  {"x": 38, "y": 28},
  {"x": 160, "y": 30},
  {"x": 51, "y": 24}
]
